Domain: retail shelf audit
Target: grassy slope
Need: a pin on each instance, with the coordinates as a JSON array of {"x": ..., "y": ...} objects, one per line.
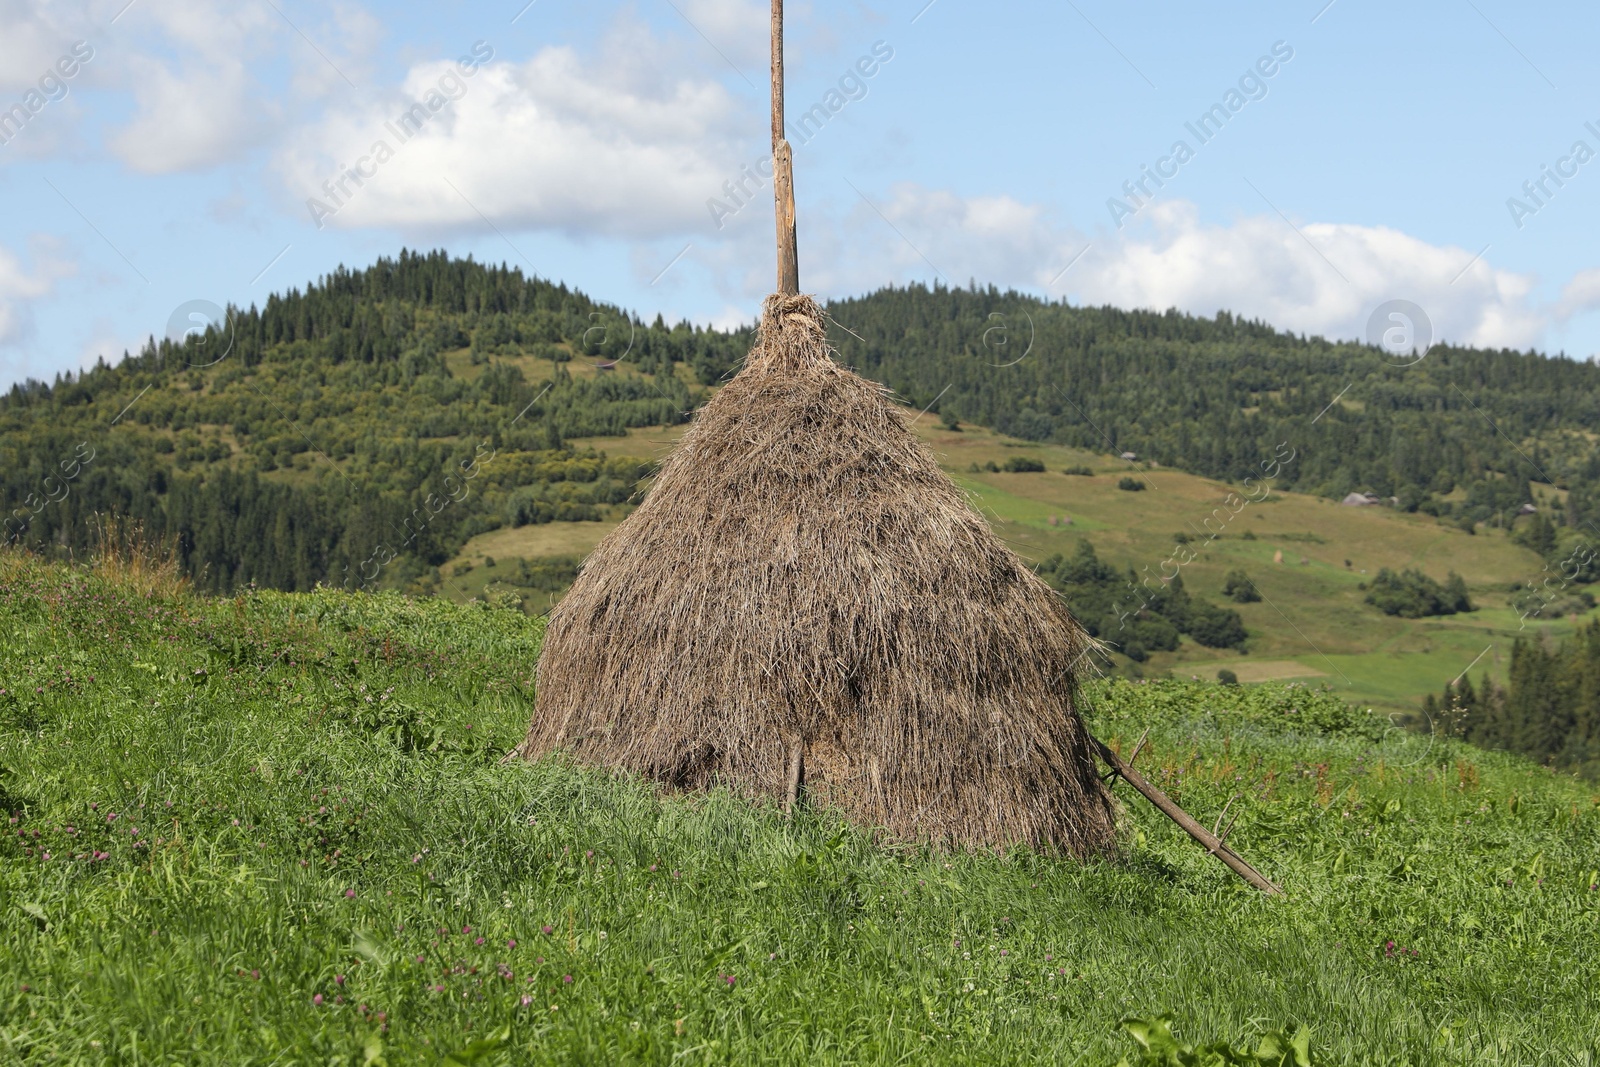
[
  {"x": 1311, "y": 625},
  {"x": 1313, "y": 611},
  {"x": 314, "y": 785}
]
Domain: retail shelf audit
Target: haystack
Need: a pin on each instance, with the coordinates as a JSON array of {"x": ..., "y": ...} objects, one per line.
[
  {"x": 803, "y": 589},
  {"x": 805, "y": 602}
]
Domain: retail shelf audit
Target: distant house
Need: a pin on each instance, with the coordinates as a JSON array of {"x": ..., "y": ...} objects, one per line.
[
  {"x": 1129, "y": 456},
  {"x": 1361, "y": 500},
  {"x": 1527, "y": 509}
]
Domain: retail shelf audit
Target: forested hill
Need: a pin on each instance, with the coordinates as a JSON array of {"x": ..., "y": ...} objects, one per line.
[
  {"x": 1217, "y": 396},
  {"x": 359, "y": 431},
  {"x": 355, "y": 433}
]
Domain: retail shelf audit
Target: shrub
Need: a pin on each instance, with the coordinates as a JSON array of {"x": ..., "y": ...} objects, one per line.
[
  {"x": 1132, "y": 485},
  {"x": 1022, "y": 464},
  {"x": 1530, "y": 602},
  {"x": 1131, "y": 617},
  {"x": 1147, "y": 632},
  {"x": 1215, "y": 627},
  {"x": 1227, "y": 677},
  {"x": 1079, "y": 470},
  {"x": 1413, "y": 595},
  {"x": 1240, "y": 588},
  {"x": 549, "y": 573}
]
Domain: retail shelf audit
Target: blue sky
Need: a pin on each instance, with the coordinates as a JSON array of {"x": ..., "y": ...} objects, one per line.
[{"x": 590, "y": 143}]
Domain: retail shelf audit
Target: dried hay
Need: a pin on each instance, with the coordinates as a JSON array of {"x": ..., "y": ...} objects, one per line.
[{"x": 802, "y": 573}]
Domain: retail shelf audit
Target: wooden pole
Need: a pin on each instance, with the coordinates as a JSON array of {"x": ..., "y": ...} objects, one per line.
[
  {"x": 782, "y": 169},
  {"x": 788, "y": 275},
  {"x": 1212, "y": 842},
  {"x": 792, "y": 793}
]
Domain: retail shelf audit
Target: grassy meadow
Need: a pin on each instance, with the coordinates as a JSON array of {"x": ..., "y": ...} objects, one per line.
[
  {"x": 1311, "y": 624},
  {"x": 276, "y": 829}
]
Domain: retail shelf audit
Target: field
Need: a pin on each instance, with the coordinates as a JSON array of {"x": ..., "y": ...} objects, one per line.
[
  {"x": 1311, "y": 623},
  {"x": 275, "y": 829},
  {"x": 1312, "y": 612}
]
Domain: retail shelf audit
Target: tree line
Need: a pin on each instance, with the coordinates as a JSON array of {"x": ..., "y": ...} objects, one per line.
[{"x": 1548, "y": 709}]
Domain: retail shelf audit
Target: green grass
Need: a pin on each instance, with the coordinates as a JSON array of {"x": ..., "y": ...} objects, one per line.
[{"x": 321, "y": 812}]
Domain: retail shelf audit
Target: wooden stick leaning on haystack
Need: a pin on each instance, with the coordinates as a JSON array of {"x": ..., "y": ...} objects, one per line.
[{"x": 1123, "y": 768}]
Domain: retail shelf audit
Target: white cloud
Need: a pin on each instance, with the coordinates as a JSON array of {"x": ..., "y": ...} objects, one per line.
[
  {"x": 193, "y": 70},
  {"x": 188, "y": 119},
  {"x": 197, "y": 102},
  {"x": 189, "y": 67},
  {"x": 991, "y": 238},
  {"x": 342, "y": 54},
  {"x": 1581, "y": 294},
  {"x": 605, "y": 144},
  {"x": 1327, "y": 282},
  {"x": 738, "y": 34},
  {"x": 39, "y": 106},
  {"x": 21, "y": 285},
  {"x": 732, "y": 317},
  {"x": 911, "y": 232},
  {"x": 105, "y": 341},
  {"x": 36, "y": 35},
  {"x": 737, "y": 29}
]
